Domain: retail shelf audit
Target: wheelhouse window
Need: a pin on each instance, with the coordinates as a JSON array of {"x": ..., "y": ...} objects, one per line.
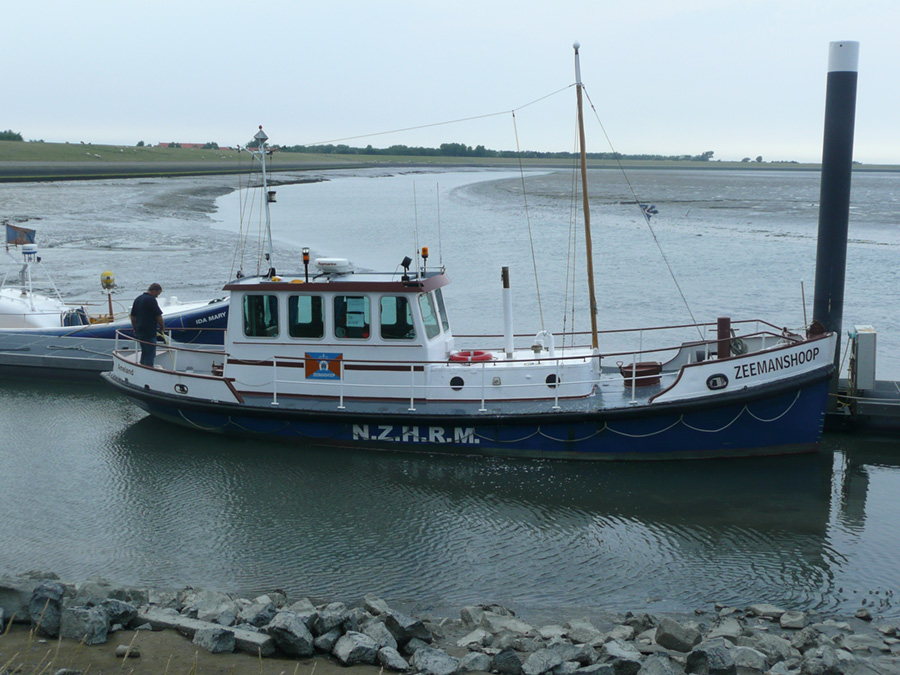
[
  {"x": 396, "y": 318},
  {"x": 445, "y": 320},
  {"x": 351, "y": 317},
  {"x": 260, "y": 315},
  {"x": 306, "y": 316},
  {"x": 429, "y": 316}
]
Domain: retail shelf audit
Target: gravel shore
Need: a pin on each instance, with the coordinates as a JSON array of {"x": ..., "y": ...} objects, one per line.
[{"x": 96, "y": 626}]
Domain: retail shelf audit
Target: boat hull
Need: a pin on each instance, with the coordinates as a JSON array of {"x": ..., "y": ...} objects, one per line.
[
  {"x": 87, "y": 350},
  {"x": 783, "y": 419}
]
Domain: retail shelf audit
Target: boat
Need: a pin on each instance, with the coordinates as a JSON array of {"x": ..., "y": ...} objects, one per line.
[
  {"x": 340, "y": 357},
  {"x": 42, "y": 334}
]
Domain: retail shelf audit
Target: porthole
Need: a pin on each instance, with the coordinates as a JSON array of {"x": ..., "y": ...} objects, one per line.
[
  {"x": 552, "y": 381},
  {"x": 456, "y": 383}
]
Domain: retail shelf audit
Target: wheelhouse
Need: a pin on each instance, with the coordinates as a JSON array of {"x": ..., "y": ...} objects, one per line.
[{"x": 346, "y": 312}]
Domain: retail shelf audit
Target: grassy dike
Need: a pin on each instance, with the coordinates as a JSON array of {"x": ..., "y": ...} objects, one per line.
[{"x": 34, "y": 161}]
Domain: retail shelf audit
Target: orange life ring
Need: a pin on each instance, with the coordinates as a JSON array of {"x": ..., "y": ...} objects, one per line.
[{"x": 471, "y": 356}]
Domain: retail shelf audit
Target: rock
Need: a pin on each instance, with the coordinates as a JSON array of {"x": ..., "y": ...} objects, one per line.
[
  {"x": 354, "y": 648},
  {"x": 795, "y": 620},
  {"x": 325, "y": 643},
  {"x": 617, "y": 649},
  {"x": 214, "y": 639},
  {"x": 475, "y": 662},
  {"x": 328, "y": 618},
  {"x": 726, "y": 627},
  {"x": 95, "y": 590},
  {"x": 775, "y": 648},
  {"x": 860, "y": 643},
  {"x": 44, "y": 607},
  {"x": 749, "y": 661},
  {"x": 212, "y": 607},
  {"x": 672, "y": 635},
  {"x": 624, "y": 633},
  {"x": 303, "y": 606},
  {"x": 496, "y": 623},
  {"x": 598, "y": 669},
  {"x": 379, "y": 632},
  {"x": 471, "y": 616},
  {"x": 477, "y": 638},
  {"x": 711, "y": 657},
  {"x": 550, "y": 632},
  {"x": 567, "y": 668},
  {"x": 805, "y": 638},
  {"x": 390, "y": 658},
  {"x": 120, "y": 612},
  {"x": 541, "y": 661},
  {"x": 257, "y": 614},
  {"x": 584, "y": 632},
  {"x": 90, "y": 624},
  {"x": 244, "y": 640},
  {"x": 127, "y": 652},
  {"x": 625, "y": 667},
  {"x": 863, "y": 614},
  {"x": 584, "y": 655},
  {"x": 766, "y": 611},
  {"x": 15, "y": 596},
  {"x": 640, "y": 622},
  {"x": 290, "y": 634},
  {"x": 404, "y": 628},
  {"x": 414, "y": 645},
  {"x": 507, "y": 640},
  {"x": 375, "y": 605},
  {"x": 506, "y": 662},
  {"x": 822, "y": 661},
  {"x": 660, "y": 665},
  {"x": 431, "y": 661}
]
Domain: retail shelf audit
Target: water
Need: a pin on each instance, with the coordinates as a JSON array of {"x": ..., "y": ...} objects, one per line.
[{"x": 93, "y": 486}]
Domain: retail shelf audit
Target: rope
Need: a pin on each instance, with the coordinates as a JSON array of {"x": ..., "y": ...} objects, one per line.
[
  {"x": 537, "y": 284},
  {"x": 643, "y": 213}
]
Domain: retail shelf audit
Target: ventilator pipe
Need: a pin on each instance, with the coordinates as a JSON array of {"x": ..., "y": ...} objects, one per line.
[
  {"x": 508, "y": 342},
  {"x": 723, "y": 337}
]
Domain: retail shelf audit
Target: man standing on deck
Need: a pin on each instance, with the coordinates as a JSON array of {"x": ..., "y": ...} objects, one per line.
[{"x": 146, "y": 319}]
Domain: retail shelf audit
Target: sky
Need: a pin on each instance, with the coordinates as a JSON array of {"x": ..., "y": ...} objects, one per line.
[{"x": 741, "y": 78}]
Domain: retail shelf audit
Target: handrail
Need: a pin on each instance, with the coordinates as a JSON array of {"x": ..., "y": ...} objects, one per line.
[
  {"x": 284, "y": 371},
  {"x": 573, "y": 357}
]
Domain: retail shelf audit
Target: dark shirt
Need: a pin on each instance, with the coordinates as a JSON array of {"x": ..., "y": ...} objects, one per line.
[{"x": 145, "y": 310}]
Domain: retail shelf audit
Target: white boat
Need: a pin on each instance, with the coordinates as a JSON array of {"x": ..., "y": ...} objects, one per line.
[
  {"x": 41, "y": 334},
  {"x": 344, "y": 358}
]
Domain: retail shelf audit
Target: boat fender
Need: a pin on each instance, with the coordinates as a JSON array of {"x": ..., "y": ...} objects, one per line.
[{"x": 471, "y": 356}]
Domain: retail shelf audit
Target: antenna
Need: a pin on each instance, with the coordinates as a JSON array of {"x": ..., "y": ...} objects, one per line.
[
  {"x": 416, "y": 214},
  {"x": 440, "y": 248}
]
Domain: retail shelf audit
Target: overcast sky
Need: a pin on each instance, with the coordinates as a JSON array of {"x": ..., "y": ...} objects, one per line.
[{"x": 742, "y": 78}]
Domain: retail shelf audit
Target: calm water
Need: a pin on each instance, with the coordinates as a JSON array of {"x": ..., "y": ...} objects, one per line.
[{"x": 93, "y": 486}]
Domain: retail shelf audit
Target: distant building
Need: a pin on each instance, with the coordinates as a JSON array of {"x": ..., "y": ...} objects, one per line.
[{"x": 192, "y": 146}]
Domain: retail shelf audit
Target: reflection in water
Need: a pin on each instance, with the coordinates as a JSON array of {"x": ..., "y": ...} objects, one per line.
[{"x": 100, "y": 489}]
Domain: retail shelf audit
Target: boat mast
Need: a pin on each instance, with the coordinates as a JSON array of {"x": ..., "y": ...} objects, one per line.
[
  {"x": 584, "y": 194},
  {"x": 261, "y": 139}
]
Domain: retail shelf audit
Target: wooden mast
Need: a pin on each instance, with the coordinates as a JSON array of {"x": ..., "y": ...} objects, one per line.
[{"x": 587, "y": 212}]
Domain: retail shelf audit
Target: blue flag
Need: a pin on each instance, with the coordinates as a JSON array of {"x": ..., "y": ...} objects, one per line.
[{"x": 18, "y": 235}]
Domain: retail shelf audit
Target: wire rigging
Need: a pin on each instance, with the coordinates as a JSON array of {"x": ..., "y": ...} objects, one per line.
[
  {"x": 643, "y": 213},
  {"x": 440, "y": 124},
  {"x": 537, "y": 284}
]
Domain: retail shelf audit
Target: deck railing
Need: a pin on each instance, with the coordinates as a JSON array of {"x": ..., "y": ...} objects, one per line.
[{"x": 284, "y": 379}]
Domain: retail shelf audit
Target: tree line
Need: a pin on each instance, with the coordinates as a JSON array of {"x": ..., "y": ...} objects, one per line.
[{"x": 463, "y": 150}]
